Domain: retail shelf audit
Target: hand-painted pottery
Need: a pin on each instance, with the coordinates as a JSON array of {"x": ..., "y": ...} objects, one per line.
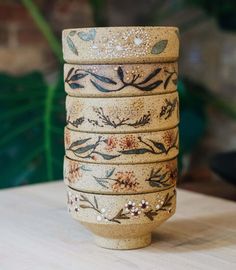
[
  {"x": 120, "y": 80},
  {"x": 122, "y": 148},
  {"x": 120, "y": 179},
  {"x": 120, "y": 45},
  {"x": 122, "y": 221},
  {"x": 125, "y": 114}
]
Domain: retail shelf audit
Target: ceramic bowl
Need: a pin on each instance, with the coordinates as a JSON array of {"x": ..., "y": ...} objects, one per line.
[
  {"x": 126, "y": 114},
  {"x": 121, "y": 148},
  {"x": 120, "y": 45},
  {"x": 120, "y": 80},
  {"x": 120, "y": 179},
  {"x": 122, "y": 221}
]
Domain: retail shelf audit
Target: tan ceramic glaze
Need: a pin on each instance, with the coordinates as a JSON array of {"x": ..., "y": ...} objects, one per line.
[
  {"x": 120, "y": 179},
  {"x": 120, "y": 80},
  {"x": 120, "y": 45},
  {"x": 122, "y": 148},
  {"x": 122, "y": 221},
  {"x": 117, "y": 115}
]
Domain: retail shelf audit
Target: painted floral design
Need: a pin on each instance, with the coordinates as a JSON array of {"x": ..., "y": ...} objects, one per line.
[
  {"x": 111, "y": 143},
  {"x": 75, "y": 171},
  {"x": 106, "y": 120},
  {"x": 128, "y": 145},
  {"x": 168, "y": 109},
  {"x": 104, "y": 84},
  {"x": 130, "y": 210},
  {"x": 120, "y": 181},
  {"x": 125, "y": 181},
  {"x": 128, "y": 142}
]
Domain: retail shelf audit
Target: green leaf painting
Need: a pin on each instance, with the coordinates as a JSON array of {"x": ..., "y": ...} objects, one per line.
[{"x": 159, "y": 47}]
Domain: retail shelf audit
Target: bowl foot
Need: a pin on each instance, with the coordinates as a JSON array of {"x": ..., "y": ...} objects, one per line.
[{"x": 124, "y": 243}]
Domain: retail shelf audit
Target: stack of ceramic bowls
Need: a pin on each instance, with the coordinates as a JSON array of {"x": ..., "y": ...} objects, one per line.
[{"x": 121, "y": 138}]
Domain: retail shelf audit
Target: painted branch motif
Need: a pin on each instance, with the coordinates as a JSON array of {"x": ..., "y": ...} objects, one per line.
[
  {"x": 119, "y": 181},
  {"x": 162, "y": 178},
  {"x": 129, "y": 146},
  {"x": 74, "y": 77},
  {"x": 106, "y": 120},
  {"x": 130, "y": 210},
  {"x": 168, "y": 109}
]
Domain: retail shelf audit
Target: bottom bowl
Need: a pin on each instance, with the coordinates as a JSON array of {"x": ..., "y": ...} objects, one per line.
[{"x": 122, "y": 221}]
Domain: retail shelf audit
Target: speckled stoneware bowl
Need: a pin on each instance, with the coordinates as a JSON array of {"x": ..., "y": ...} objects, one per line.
[
  {"x": 120, "y": 178},
  {"x": 123, "y": 114},
  {"x": 122, "y": 148},
  {"x": 120, "y": 80},
  {"x": 122, "y": 221},
  {"x": 120, "y": 45}
]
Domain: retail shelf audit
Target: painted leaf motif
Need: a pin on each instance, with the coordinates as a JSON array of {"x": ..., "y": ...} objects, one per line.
[
  {"x": 96, "y": 202},
  {"x": 175, "y": 81},
  {"x": 159, "y": 146},
  {"x": 167, "y": 81},
  {"x": 103, "y": 78},
  {"x": 150, "y": 86},
  {"x": 150, "y": 214},
  {"x": 68, "y": 74},
  {"x": 139, "y": 151},
  {"x": 151, "y": 75},
  {"x": 72, "y": 33},
  {"x": 84, "y": 206},
  {"x": 110, "y": 172},
  {"x": 99, "y": 87},
  {"x": 87, "y": 36},
  {"x": 75, "y": 85},
  {"x": 84, "y": 149},
  {"x": 106, "y": 156},
  {"x": 71, "y": 45},
  {"x": 159, "y": 47},
  {"x": 120, "y": 73},
  {"x": 79, "y": 142},
  {"x": 153, "y": 183},
  {"x": 78, "y": 77}
]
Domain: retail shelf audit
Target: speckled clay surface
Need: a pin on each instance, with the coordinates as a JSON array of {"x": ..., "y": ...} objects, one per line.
[
  {"x": 120, "y": 80},
  {"x": 122, "y": 148},
  {"x": 115, "y": 115},
  {"x": 120, "y": 45},
  {"x": 122, "y": 221},
  {"x": 120, "y": 179}
]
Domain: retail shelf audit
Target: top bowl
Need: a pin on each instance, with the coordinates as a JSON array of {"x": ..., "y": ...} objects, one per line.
[{"x": 120, "y": 45}]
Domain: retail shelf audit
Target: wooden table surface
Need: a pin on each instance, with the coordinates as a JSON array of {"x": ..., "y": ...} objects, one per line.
[{"x": 36, "y": 232}]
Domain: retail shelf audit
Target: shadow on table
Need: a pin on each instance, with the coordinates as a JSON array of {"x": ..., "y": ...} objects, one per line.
[{"x": 201, "y": 234}]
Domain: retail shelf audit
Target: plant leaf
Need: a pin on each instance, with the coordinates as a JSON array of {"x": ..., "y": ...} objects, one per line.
[
  {"x": 110, "y": 172},
  {"x": 120, "y": 73},
  {"x": 96, "y": 202},
  {"x": 139, "y": 151},
  {"x": 75, "y": 85},
  {"x": 84, "y": 149},
  {"x": 106, "y": 156},
  {"x": 150, "y": 86},
  {"x": 84, "y": 206},
  {"x": 151, "y": 75},
  {"x": 71, "y": 45},
  {"x": 87, "y": 36},
  {"x": 99, "y": 87},
  {"x": 159, "y": 146},
  {"x": 159, "y": 47},
  {"x": 79, "y": 142},
  {"x": 103, "y": 78},
  {"x": 72, "y": 33},
  {"x": 77, "y": 76}
]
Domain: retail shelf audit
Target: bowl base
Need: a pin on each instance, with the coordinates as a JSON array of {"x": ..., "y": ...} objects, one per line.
[{"x": 124, "y": 243}]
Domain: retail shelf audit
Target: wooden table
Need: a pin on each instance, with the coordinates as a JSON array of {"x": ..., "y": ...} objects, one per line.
[{"x": 36, "y": 232}]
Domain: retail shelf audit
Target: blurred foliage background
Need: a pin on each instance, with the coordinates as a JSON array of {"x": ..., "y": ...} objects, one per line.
[{"x": 32, "y": 95}]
